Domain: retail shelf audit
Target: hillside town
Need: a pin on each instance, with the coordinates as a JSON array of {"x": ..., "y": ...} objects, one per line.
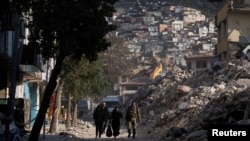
[
  {"x": 159, "y": 31},
  {"x": 206, "y": 79},
  {"x": 181, "y": 103},
  {"x": 159, "y": 34}
]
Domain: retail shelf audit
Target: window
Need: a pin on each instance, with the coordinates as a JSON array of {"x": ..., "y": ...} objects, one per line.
[
  {"x": 201, "y": 64},
  {"x": 189, "y": 65},
  {"x": 131, "y": 87}
]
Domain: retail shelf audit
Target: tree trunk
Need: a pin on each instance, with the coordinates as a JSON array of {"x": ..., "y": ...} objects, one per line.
[
  {"x": 35, "y": 132},
  {"x": 68, "y": 121},
  {"x": 74, "y": 122},
  {"x": 54, "y": 122},
  {"x": 91, "y": 104}
]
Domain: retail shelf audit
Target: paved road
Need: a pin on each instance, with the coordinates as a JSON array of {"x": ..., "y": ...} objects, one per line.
[
  {"x": 90, "y": 135},
  {"x": 140, "y": 136}
]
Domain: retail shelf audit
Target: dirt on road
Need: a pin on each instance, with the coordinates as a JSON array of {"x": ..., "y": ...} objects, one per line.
[
  {"x": 83, "y": 134},
  {"x": 140, "y": 136}
]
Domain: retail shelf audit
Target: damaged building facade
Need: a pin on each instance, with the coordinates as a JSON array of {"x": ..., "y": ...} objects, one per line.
[{"x": 232, "y": 22}]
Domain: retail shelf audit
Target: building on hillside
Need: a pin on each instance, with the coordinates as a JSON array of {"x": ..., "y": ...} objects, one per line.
[
  {"x": 128, "y": 88},
  {"x": 199, "y": 62},
  {"x": 162, "y": 27},
  {"x": 177, "y": 25}
]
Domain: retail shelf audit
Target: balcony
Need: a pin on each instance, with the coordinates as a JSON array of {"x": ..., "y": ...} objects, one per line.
[{"x": 30, "y": 73}]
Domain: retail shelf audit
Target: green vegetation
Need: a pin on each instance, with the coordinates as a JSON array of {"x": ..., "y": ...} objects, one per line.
[{"x": 65, "y": 28}]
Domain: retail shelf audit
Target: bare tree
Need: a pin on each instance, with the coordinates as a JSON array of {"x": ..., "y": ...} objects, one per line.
[{"x": 117, "y": 60}]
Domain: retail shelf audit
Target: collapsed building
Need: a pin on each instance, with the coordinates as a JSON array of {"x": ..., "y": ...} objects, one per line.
[{"x": 183, "y": 104}]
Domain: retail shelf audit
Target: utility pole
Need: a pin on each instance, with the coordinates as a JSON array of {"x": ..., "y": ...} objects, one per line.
[
  {"x": 14, "y": 67},
  {"x": 47, "y": 78}
]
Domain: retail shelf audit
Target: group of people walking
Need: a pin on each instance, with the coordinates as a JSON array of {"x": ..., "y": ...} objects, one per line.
[{"x": 102, "y": 119}]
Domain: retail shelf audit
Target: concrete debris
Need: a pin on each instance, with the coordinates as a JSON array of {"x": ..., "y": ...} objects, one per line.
[
  {"x": 77, "y": 132},
  {"x": 190, "y": 102}
]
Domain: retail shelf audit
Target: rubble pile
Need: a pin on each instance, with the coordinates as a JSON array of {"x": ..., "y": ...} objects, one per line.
[
  {"x": 81, "y": 127},
  {"x": 181, "y": 105},
  {"x": 77, "y": 132}
]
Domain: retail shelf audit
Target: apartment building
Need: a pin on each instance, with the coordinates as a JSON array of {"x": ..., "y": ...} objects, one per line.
[{"x": 232, "y": 22}]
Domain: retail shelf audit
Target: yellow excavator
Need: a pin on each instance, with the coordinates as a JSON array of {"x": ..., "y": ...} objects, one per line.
[{"x": 156, "y": 72}]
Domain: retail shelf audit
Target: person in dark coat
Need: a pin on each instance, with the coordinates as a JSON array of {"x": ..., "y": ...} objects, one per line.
[
  {"x": 106, "y": 116},
  {"x": 98, "y": 117},
  {"x": 116, "y": 115}
]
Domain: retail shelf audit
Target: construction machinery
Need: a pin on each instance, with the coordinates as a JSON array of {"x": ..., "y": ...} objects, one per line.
[{"x": 156, "y": 72}]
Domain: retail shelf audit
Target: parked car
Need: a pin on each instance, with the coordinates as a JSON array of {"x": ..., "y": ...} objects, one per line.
[{"x": 83, "y": 106}]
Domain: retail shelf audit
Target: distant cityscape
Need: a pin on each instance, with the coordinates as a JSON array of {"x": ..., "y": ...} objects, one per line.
[{"x": 159, "y": 30}]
